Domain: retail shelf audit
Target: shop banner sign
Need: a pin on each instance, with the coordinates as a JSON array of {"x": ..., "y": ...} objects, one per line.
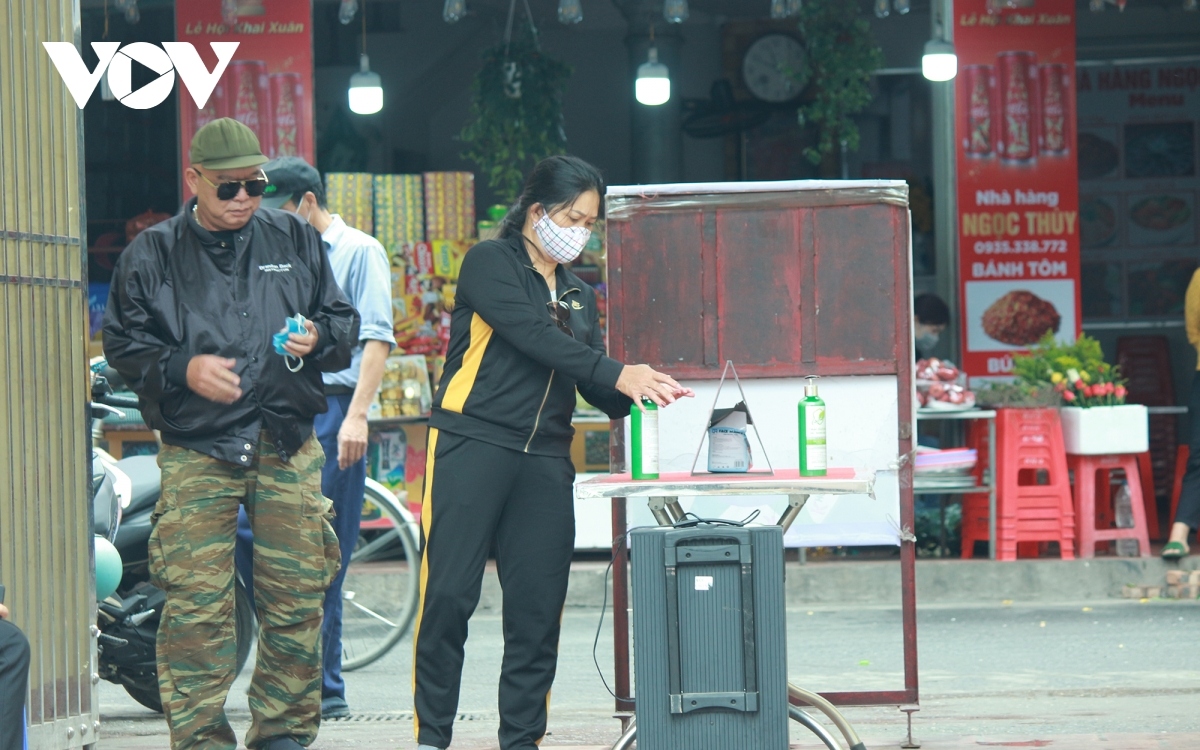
[
  {"x": 269, "y": 83},
  {"x": 1018, "y": 192}
]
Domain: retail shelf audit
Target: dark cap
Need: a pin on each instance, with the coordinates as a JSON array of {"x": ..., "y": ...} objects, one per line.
[
  {"x": 289, "y": 175},
  {"x": 226, "y": 143}
]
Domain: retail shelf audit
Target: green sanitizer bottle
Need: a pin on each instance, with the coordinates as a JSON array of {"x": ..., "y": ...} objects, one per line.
[
  {"x": 813, "y": 453},
  {"x": 643, "y": 428}
]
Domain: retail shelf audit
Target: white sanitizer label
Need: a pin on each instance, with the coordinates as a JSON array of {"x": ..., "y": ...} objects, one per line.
[
  {"x": 650, "y": 442},
  {"x": 814, "y": 432}
]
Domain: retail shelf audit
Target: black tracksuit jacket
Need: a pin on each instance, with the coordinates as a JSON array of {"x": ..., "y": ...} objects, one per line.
[
  {"x": 178, "y": 291},
  {"x": 511, "y": 373}
]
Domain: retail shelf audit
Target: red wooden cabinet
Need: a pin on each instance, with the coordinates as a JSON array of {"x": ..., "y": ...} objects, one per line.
[{"x": 785, "y": 279}]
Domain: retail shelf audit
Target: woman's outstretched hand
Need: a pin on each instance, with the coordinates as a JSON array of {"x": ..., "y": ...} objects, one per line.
[{"x": 643, "y": 381}]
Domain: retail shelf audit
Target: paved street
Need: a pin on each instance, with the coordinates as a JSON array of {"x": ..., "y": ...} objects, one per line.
[{"x": 1101, "y": 675}]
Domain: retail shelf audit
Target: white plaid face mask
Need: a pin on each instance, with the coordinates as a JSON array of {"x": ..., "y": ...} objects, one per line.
[{"x": 563, "y": 244}]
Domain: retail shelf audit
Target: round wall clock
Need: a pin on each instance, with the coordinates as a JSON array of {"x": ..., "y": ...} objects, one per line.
[{"x": 774, "y": 68}]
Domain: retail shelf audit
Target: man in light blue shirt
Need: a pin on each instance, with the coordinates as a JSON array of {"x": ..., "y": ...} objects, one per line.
[{"x": 361, "y": 267}]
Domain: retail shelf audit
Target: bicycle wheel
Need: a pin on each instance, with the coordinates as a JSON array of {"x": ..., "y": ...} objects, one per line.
[{"x": 379, "y": 597}]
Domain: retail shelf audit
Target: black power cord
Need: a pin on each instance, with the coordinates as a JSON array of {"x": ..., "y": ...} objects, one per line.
[{"x": 620, "y": 544}]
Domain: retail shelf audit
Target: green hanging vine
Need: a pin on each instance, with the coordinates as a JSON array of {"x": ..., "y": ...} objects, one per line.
[
  {"x": 516, "y": 113},
  {"x": 841, "y": 57}
]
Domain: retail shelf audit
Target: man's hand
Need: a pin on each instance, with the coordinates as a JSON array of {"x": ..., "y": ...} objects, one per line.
[
  {"x": 642, "y": 381},
  {"x": 352, "y": 440},
  {"x": 302, "y": 344},
  {"x": 3, "y": 612},
  {"x": 213, "y": 378}
]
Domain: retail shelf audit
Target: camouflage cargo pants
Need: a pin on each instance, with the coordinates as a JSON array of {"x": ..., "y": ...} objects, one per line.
[{"x": 296, "y": 555}]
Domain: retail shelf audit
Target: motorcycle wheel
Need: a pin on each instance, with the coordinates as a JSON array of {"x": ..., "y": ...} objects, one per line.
[{"x": 146, "y": 691}]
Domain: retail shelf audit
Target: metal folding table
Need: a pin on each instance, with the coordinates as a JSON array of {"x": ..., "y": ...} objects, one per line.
[{"x": 663, "y": 495}]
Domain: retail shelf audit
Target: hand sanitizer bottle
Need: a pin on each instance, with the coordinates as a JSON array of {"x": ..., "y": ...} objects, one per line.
[
  {"x": 643, "y": 428},
  {"x": 813, "y": 454}
]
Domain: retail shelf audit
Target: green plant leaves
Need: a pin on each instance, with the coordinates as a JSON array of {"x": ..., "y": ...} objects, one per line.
[
  {"x": 516, "y": 114},
  {"x": 841, "y": 57}
]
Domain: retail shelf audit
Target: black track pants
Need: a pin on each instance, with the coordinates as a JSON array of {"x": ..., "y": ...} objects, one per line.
[
  {"x": 1189, "y": 496},
  {"x": 478, "y": 495}
]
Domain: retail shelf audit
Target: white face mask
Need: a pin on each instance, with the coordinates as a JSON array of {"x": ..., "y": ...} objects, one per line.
[
  {"x": 563, "y": 244},
  {"x": 926, "y": 341}
]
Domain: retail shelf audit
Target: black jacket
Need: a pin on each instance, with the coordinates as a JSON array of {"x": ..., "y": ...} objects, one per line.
[
  {"x": 178, "y": 291},
  {"x": 511, "y": 373}
]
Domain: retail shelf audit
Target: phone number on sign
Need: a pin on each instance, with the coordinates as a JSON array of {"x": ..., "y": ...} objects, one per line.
[{"x": 1016, "y": 247}]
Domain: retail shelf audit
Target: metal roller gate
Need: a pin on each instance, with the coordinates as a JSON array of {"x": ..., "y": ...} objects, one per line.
[{"x": 45, "y": 511}]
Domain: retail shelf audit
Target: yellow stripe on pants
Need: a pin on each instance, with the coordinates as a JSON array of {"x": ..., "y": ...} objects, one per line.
[{"x": 426, "y": 523}]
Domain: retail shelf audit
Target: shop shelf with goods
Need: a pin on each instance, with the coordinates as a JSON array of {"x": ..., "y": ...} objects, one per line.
[
  {"x": 932, "y": 476},
  {"x": 351, "y": 195},
  {"x": 399, "y": 210}
]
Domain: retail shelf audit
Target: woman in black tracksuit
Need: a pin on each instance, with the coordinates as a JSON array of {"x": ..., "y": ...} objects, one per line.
[{"x": 524, "y": 335}]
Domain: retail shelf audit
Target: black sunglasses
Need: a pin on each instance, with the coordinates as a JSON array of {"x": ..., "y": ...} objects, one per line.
[
  {"x": 561, "y": 312},
  {"x": 227, "y": 191}
]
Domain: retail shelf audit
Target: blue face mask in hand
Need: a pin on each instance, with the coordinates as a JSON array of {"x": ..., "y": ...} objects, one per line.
[{"x": 294, "y": 324}]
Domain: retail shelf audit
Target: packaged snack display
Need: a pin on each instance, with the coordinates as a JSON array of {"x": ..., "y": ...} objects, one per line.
[
  {"x": 399, "y": 209},
  {"x": 405, "y": 390},
  {"x": 449, "y": 205},
  {"x": 351, "y": 195}
]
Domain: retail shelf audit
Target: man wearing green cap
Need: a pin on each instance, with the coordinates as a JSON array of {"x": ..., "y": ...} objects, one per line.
[{"x": 194, "y": 307}]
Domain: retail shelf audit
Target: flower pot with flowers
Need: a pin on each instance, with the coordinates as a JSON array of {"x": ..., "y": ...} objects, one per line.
[{"x": 1095, "y": 418}]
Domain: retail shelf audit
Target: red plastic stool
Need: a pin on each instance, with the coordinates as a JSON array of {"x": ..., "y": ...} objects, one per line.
[
  {"x": 1086, "y": 468},
  {"x": 1033, "y": 502}
]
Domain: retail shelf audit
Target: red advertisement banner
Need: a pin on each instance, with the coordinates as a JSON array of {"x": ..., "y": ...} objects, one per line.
[
  {"x": 1018, "y": 190},
  {"x": 268, "y": 84}
]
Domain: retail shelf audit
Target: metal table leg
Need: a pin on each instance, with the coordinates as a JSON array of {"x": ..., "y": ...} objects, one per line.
[
  {"x": 675, "y": 509},
  {"x": 658, "y": 506},
  {"x": 795, "y": 505}
]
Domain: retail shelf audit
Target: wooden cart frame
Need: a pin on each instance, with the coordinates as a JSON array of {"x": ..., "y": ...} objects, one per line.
[{"x": 702, "y": 266}]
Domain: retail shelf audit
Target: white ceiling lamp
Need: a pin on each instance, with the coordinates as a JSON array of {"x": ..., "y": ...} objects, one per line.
[
  {"x": 570, "y": 11},
  {"x": 454, "y": 10},
  {"x": 366, "y": 88},
  {"x": 785, "y": 8},
  {"x": 939, "y": 63},
  {"x": 653, "y": 86},
  {"x": 675, "y": 11}
]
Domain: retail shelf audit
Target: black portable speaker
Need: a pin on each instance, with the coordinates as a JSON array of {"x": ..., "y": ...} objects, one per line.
[{"x": 709, "y": 638}]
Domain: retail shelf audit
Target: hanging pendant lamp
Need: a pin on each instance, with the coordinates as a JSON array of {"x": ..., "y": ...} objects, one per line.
[{"x": 366, "y": 88}]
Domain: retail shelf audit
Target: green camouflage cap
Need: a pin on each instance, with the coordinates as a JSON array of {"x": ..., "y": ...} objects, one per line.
[{"x": 226, "y": 143}]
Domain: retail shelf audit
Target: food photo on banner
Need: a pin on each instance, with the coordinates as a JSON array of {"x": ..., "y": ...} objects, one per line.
[
  {"x": 1017, "y": 179},
  {"x": 267, "y": 85}
]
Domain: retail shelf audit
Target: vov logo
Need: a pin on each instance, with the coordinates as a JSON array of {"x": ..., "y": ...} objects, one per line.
[{"x": 118, "y": 61}]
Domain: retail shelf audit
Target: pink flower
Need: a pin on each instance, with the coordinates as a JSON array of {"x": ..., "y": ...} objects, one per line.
[
  {"x": 1120, "y": 391},
  {"x": 1087, "y": 391},
  {"x": 1068, "y": 397},
  {"x": 1109, "y": 389}
]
